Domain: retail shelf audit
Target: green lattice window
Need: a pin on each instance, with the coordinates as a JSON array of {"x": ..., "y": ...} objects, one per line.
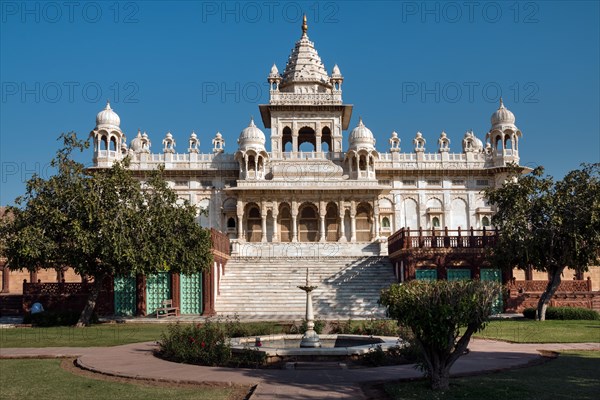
[
  {"x": 191, "y": 293},
  {"x": 158, "y": 288},
  {"x": 459, "y": 274},
  {"x": 494, "y": 275},
  {"x": 124, "y": 291},
  {"x": 426, "y": 274}
]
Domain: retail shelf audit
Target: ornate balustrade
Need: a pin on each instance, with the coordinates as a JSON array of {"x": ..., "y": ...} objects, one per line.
[{"x": 446, "y": 238}]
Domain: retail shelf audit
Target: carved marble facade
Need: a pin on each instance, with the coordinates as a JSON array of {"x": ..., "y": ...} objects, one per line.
[{"x": 339, "y": 190}]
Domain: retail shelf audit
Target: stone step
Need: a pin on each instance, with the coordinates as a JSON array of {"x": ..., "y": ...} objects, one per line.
[{"x": 348, "y": 287}]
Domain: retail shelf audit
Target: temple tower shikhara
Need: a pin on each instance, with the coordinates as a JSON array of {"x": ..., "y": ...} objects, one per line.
[{"x": 305, "y": 104}]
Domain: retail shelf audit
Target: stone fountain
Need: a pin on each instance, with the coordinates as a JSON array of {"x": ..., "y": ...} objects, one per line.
[
  {"x": 310, "y": 338},
  {"x": 291, "y": 349}
]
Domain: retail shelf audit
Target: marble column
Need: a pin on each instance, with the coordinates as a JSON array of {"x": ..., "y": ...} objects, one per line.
[
  {"x": 263, "y": 217},
  {"x": 275, "y": 233},
  {"x": 294, "y": 212},
  {"x": 240, "y": 220},
  {"x": 375, "y": 220},
  {"x": 342, "y": 225},
  {"x": 294, "y": 229},
  {"x": 353, "y": 227},
  {"x": 322, "y": 236}
]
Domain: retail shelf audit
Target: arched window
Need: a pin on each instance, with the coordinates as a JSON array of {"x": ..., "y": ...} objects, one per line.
[
  {"x": 385, "y": 222},
  {"x": 435, "y": 222},
  {"x": 485, "y": 221},
  {"x": 231, "y": 223},
  {"x": 362, "y": 162}
]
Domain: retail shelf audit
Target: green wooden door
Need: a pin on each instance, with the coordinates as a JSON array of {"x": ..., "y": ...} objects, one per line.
[
  {"x": 191, "y": 293},
  {"x": 494, "y": 275},
  {"x": 158, "y": 288},
  {"x": 426, "y": 274},
  {"x": 459, "y": 274},
  {"x": 124, "y": 292}
]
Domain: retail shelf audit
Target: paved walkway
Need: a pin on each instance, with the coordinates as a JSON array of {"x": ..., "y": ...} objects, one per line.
[{"x": 137, "y": 361}]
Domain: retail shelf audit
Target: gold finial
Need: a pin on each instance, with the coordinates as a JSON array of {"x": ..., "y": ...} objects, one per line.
[{"x": 304, "y": 26}]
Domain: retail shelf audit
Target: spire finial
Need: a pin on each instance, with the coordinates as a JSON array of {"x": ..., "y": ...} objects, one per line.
[
  {"x": 304, "y": 25},
  {"x": 501, "y": 102},
  {"x": 107, "y": 105}
]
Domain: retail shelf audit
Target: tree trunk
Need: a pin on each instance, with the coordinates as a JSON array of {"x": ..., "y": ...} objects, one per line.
[
  {"x": 440, "y": 378},
  {"x": 551, "y": 288},
  {"x": 90, "y": 305}
]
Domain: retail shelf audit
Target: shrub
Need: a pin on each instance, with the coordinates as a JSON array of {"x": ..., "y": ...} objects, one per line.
[
  {"x": 207, "y": 344},
  {"x": 377, "y": 327},
  {"x": 55, "y": 318},
  {"x": 564, "y": 313},
  {"x": 319, "y": 325},
  {"x": 376, "y": 357},
  {"x": 341, "y": 328}
]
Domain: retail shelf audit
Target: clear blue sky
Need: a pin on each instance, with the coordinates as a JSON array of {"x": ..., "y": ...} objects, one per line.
[{"x": 408, "y": 66}]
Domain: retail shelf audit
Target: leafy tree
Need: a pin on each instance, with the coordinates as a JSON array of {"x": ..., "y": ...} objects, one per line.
[
  {"x": 548, "y": 225},
  {"x": 103, "y": 222},
  {"x": 435, "y": 312}
]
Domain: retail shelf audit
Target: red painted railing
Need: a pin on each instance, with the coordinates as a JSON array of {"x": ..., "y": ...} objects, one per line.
[{"x": 441, "y": 238}]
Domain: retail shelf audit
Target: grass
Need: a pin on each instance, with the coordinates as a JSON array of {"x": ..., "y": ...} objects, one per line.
[
  {"x": 96, "y": 335},
  {"x": 45, "y": 379},
  {"x": 573, "y": 375},
  {"x": 531, "y": 331},
  {"x": 519, "y": 331},
  {"x": 104, "y": 334}
]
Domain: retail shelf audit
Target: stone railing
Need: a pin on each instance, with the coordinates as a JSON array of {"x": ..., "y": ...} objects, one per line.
[{"x": 305, "y": 98}]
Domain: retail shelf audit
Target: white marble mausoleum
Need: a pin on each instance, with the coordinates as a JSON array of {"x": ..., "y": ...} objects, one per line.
[{"x": 335, "y": 203}]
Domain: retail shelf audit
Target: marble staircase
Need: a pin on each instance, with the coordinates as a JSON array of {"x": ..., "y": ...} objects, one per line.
[{"x": 267, "y": 287}]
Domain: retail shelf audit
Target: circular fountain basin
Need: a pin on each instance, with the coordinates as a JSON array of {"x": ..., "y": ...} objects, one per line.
[{"x": 282, "y": 347}]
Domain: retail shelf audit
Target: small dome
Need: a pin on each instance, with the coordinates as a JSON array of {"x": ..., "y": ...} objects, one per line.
[
  {"x": 107, "y": 118},
  {"x": 193, "y": 135},
  {"x": 274, "y": 71},
  {"x": 503, "y": 116},
  {"x": 251, "y": 135},
  {"x": 394, "y": 134},
  {"x": 361, "y": 134},
  {"x": 218, "y": 135},
  {"x": 169, "y": 135},
  {"x": 336, "y": 70},
  {"x": 136, "y": 143}
]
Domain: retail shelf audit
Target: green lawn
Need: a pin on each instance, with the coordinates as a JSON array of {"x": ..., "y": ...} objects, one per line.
[
  {"x": 521, "y": 331},
  {"x": 573, "y": 375},
  {"x": 530, "y": 331},
  {"x": 96, "y": 335},
  {"x": 45, "y": 379},
  {"x": 105, "y": 334}
]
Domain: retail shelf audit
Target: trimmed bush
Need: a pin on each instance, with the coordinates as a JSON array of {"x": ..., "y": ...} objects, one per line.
[{"x": 564, "y": 313}]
